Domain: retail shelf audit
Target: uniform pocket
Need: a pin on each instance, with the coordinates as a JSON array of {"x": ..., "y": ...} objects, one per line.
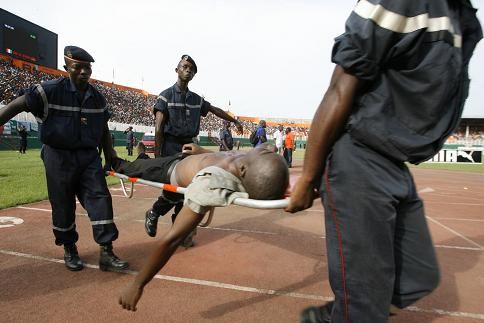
[
  {"x": 60, "y": 130},
  {"x": 92, "y": 126}
]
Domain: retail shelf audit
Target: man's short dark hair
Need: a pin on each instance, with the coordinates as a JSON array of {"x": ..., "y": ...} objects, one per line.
[{"x": 267, "y": 179}]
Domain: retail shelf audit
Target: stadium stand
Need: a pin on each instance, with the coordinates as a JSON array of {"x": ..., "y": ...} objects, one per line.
[{"x": 133, "y": 107}]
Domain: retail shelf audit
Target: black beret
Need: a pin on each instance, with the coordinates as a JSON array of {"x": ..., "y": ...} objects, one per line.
[
  {"x": 78, "y": 54},
  {"x": 189, "y": 59}
]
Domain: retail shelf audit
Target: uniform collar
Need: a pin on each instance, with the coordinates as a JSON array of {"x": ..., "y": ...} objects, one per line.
[
  {"x": 178, "y": 90},
  {"x": 72, "y": 88}
]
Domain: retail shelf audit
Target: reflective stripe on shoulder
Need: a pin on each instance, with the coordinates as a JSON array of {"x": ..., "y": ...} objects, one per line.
[
  {"x": 162, "y": 98},
  {"x": 46, "y": 103},
  {"x": 401, "y": 24}
]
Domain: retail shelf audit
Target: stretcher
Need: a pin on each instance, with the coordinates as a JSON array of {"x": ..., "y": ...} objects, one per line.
[{"x": 256, "y": 204}]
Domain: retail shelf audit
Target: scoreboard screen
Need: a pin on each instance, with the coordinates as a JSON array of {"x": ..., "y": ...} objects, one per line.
[
  {"x": 20, "y": 43},
  {"x": 27, "y": 41}
]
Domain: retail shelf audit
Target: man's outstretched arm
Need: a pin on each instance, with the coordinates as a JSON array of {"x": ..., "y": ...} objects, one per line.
[
  {"x": 328, "y": 123},
  {"x": 12, "y": 109},
  {"x": 160, "y": 120},
  {"x": 224, "y": 115},
  {"x": 185, "y": 223}
]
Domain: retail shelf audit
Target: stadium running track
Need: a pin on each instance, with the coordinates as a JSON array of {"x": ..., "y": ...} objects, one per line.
[{"x": 249, "y": 265}]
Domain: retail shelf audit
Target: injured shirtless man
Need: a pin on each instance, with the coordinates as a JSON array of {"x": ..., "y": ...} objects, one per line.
[{"x": 212, "y": 179}]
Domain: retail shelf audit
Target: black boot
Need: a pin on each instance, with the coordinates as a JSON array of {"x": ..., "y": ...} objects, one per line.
[
  {"x": 317, "y": 314},
  {"x": 71, "y": 258},
  {"x": 151, "y": 222},
  {"x": 108, "y": 261}
]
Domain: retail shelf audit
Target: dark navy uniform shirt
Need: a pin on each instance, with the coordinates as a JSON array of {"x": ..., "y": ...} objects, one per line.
[
  {"x": 66, "y": 120},
  {"x": 413, "y": 56},
  {"x": 182, "y": 110},
  {"x": 226, "y": 135}
]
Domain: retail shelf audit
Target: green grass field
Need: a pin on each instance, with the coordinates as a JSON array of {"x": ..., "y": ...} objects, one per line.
[{"x": 22, "y": 177}]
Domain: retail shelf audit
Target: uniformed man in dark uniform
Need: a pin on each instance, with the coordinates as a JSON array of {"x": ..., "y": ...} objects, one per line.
[
  {"x": 22, "y": 131},
  {"x": 396, "y": 94},
  {"x": 177, "y": 120},
  {"x": 226, "y": 139},
  {"x": 129, "y": 140},
  {"x": 73, "y": 122}
]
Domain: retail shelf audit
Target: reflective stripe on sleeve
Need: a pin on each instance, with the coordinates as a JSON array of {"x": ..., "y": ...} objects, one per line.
[{"x": 46, "y": 103}]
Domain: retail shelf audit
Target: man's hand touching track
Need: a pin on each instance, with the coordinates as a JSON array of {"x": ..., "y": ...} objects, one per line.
[{"x": 130, "y": 298}]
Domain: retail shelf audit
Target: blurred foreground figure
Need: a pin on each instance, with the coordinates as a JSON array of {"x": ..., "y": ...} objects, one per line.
[{"x": 396, "y": 94}]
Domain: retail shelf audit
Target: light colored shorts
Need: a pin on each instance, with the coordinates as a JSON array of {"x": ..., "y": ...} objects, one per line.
[{"x": 213, "y": 186}]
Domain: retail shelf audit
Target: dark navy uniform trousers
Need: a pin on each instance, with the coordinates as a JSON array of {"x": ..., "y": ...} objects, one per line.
[
  {"x": 378, "y": 243},
  {"x": 72, "y": 173},
  {"x": 167, "y": 200}
]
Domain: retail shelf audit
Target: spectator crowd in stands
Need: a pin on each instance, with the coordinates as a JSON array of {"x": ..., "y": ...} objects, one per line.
[
  {"x": 126, "y": 106},
  {"x": 135, "y": 108}
]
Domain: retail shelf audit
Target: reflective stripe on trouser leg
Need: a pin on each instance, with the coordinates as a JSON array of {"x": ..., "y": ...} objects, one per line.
[
  {"x": 61, "y": 175},
  {"x": 94, "y": 196}
]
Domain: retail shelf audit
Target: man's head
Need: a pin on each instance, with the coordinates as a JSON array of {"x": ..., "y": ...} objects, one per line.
[
  {"x": 226, "y": 124},
  {"x": 288, "y": 129},
  {"x": 280, "y": 128},
  {"x": 264, "y": 173},
  {"x": 262, "y": 123},
  {"x": 78, "y": 65},
  {"x": 186, "y": 68}
]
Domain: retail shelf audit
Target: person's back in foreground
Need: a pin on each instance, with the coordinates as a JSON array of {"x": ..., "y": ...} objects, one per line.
[
  {"x": 259, "y": 174},
  {"x": 396, "y": 94}
]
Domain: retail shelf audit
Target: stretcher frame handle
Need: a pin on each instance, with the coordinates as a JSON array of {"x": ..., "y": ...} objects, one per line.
[{"x": 251, "y": 203}]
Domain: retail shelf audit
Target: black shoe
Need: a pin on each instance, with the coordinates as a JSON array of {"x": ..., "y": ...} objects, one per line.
[
  {"x": 71, "y": 258},
  {"x": 317, "y": 314},
  {"x": 151, "y": 222},
  {"x": 108, "y": 261},
  {"x": 188, "y": 242}
]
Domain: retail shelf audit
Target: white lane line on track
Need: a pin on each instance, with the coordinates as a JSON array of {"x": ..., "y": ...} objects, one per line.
[
  {"x": 479, "y": 247},
  {"x": 457, "y": 247},
  {"x": 43, "y": 210},
  {"x": 49, "y": 210},
  {"x": 33, "y": 209},
  {"x": 185, "y": 280},
  {"x": 446, "y": 313},
  {"x": 454, "y": 203},
  {"x": 248, "y": 289},
  {"x": 459, "y": 219},
  {"x": 455, "y": 232},
  {"x": 222, "y": 229}
]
